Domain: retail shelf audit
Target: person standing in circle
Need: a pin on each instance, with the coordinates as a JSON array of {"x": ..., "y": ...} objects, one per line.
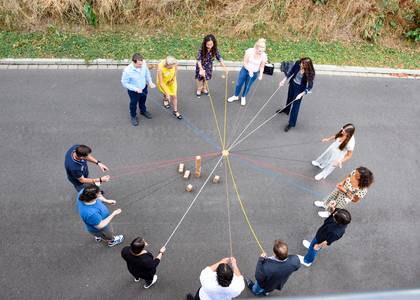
[
  {"x": 301, "y": 80},
  {"x": 140, "y": 262},
  {"x": 340, "y": 151},
  {"x": 96, "y": 216},
  {"x": 254, "y": 61},
  {"x": 76, "y": 165},
  {"x": 167, "y": 85},
  {"x": 220, "y": 281},
  {"x": 204, "y": 66},
  {"x": 352, "y": 189},
  {"x": 331, "y": 231},
  {"x": 136, "y": 78}
]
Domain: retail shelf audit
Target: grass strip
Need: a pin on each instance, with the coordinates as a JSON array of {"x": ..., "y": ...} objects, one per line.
[{"x": 111, "y": 45}]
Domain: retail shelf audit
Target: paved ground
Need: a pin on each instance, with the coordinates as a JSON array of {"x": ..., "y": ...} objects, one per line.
[{"x": 45, "y": 253}]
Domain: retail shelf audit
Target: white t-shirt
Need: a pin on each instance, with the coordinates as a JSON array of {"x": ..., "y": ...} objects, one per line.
[
  {"x": 211, "y": 290},
  {"x": 254, "y": 63}
]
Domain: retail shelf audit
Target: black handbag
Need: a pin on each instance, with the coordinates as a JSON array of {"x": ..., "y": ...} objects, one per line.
[
  {"x": 268, "y": 68},
  {"x": 286, "y": 66}
]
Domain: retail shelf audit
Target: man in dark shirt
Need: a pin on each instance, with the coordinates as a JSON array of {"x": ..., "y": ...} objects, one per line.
[
  {"x": 272, "y": 272},
  {"x": 140, "y": 262},
  {"x": 75, "y": 163},
  {"x": 332, "y": 230}
]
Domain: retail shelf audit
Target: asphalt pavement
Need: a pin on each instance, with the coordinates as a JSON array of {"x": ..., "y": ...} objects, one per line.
[{"x": 46, "y": 253}]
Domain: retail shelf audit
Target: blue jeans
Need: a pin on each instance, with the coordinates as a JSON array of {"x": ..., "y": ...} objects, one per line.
[
  {"x": 312, "y": 253},
  {"x": 256, "y": 289},
  {"x": 137, "y": 98},
  {"x": 244, "y": 79}
]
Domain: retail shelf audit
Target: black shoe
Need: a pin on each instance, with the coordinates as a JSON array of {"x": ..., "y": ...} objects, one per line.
[
  {"x": 248, "y": 283},
  {"x": 134, "y": 121},
  {"x": 286, "y": 129},
  {"x": 190, "y": 297},
  {"x": 279, "y": 111},
  {"x": 146, "y": 114}
]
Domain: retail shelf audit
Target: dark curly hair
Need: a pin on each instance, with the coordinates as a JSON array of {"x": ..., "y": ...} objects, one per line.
[
  {"x": 224, "y": 274},
  {"x": 366, "y": 177},
  {"x": 206, "y": 39}
]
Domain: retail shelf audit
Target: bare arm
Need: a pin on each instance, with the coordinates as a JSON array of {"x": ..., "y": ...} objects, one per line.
[
  {"x": 159, "y": 73},
  {"x": 108, "y": 219},
  {"x": 235, "y": 268},
  {"x": 348, "y": 155},
  {"x": 92, "y": 159},
  {"x": 213, "y": 267},
  {"x": 322, "y": 245},
  {"x": 329, "y": 138},
  {"x": 246, "y": 62}
]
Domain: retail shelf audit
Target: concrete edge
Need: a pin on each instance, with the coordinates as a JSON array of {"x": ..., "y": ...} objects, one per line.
[{"x": 67, "y": 63}]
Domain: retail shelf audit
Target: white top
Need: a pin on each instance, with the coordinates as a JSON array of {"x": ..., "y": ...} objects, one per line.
[
  {"x": 253, "y": 62},
  {"x": 211, "y": 290},
  {"x": 349, "y": 146}
]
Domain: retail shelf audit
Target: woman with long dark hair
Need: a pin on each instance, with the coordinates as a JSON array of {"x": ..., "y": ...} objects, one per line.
[
  {"x": 352, "y": 189},
  {"x": 340, "y": 151},
  {"x": 204, "y": 66},
  {"x": 301, "y": 80}
]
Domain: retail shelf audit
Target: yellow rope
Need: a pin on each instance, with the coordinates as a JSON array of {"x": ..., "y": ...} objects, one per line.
[
  {"x": 242, "y": 205},
  {"x": 214, "y": 114}
]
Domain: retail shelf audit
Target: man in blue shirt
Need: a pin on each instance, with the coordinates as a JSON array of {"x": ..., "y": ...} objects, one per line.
[
  {"x": 135, "y": 78},
  {"x": 75, "y": 163},
  {"x": 272, "y": 272},
  {"x": 96, "y": 216},
  {"x": 332, "y": 230}
]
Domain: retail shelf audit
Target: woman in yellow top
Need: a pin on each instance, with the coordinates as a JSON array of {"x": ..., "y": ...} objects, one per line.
[{"x": 166, "y": 83}]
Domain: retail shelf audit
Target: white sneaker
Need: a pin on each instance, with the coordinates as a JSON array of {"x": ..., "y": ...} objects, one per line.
[
  {"x": 323, "y": 214},
  {"x": 316, "y": 164},
  {"x": 319, "y": 176},
  {"x": 98, "y": 239},
  {"x": 306, "y": 244},
  {"x": 243, "y": 101},
  {"x": 319, "y": 204},
  {"x": 153, "y": 282},
  {"x": 302, "y": 261},
  {"x": 118, "y": 239},
  {"x": 233, "y": 98},
  {"x": 136, "y": 280}
]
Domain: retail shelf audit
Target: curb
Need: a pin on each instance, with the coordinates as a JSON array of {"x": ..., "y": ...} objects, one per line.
[{"x": 66, "y": 63}]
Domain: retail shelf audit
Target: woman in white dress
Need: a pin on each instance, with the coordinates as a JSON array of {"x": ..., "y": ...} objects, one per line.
[{"x": 337, "y": 153}]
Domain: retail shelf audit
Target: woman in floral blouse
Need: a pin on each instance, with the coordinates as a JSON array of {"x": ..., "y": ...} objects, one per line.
[
  {"x": 204, "y": 66},
  {"x": 352, "y": 189}
]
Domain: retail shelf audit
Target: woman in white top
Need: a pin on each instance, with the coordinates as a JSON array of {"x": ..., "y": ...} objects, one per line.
[
  {"x": 220, "y": 281},
  {"x": 254, "y": 61},
  {"x": 337, "y": 153}
]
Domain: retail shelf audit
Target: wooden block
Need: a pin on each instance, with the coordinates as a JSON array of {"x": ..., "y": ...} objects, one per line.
[
  {"x": 181, "y": 168},
  {"x": 187, "y": 174},
  {"x": 216, "y": 179},
  {"x": 189, "y": 188},
  {"x": 197, "y": 166}
]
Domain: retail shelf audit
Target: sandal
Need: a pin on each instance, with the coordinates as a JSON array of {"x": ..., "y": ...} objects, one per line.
[
  {"x": 177, "y": 115},
  {"x": 166, "y": 104}
]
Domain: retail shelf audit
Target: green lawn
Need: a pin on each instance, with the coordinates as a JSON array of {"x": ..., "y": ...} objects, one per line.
[{"x": 56, "y": 44}]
